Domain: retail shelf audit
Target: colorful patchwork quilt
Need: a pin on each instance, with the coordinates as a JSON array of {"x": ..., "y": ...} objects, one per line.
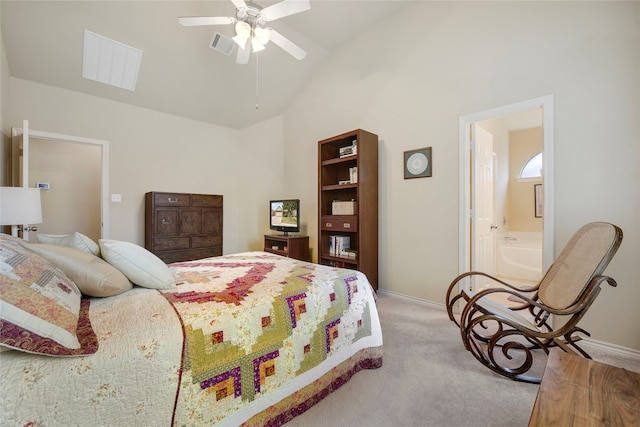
[{"x": 244, "y": 339}]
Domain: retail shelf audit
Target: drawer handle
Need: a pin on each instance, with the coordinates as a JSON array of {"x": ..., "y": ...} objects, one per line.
[
  {"x": 172, "y": 200},
  {"x": 164, "y": 221},
  {"x": 328, "y": 225},
  {"x": 346, "y": 225}
]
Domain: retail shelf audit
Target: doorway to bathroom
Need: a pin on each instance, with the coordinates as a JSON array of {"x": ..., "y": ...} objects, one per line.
[{"x": 505, "y": 229}]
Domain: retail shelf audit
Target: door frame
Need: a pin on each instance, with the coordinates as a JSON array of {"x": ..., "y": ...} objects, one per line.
[
  {"x": 465, "y": 159},
  {"x": 26, "y": 132}
]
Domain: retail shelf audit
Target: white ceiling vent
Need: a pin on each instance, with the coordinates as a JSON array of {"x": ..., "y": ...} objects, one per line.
[
  {"x": 110, "y": 62},
  {"x": 222, "y": 43}
]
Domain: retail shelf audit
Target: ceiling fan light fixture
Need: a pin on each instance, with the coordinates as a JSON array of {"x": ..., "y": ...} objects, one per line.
[
  {"x": 256, "y": 46},
  {"x": 242, "y": 42},
  {"x": 262, "y": 34},
  {"x": 243, "y": 29}
]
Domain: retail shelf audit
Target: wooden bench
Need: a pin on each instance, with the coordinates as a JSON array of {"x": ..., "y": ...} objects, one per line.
[{"x": 575, "y": 391}]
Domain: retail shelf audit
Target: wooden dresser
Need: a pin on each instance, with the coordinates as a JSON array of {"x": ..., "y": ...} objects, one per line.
[{"x": 182, "y": 226}]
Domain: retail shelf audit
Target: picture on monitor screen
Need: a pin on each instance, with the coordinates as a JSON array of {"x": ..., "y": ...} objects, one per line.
[{"x": 284, "y": 215}]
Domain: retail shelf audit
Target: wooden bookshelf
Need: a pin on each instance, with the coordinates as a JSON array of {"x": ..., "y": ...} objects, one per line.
[{"x": 336, "y": 183}]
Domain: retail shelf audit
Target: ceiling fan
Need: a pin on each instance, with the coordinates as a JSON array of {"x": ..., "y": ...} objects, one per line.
[{"x": 250, "y": 27}]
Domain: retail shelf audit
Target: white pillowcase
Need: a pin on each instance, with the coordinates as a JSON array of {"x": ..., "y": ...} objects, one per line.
[
  {"x": 94, "y": 276},
  {"x": 76, "y": 240},
  {"x": 139, "y": 265}
]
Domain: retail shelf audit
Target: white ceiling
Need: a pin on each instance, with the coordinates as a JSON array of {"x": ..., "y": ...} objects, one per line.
[{"x": 179, "y": 73}]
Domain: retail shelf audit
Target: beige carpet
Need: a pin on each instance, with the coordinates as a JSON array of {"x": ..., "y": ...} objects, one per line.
[{"x": 428, "y": 379}]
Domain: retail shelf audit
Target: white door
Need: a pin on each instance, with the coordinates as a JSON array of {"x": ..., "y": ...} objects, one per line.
[{"x": 482, "y": 245}]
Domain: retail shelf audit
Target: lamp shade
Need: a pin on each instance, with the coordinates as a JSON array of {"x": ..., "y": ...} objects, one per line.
[{"x": 20, "y": 205}]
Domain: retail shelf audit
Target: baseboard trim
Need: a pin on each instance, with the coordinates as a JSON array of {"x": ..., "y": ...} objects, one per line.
[
  {"x": 586, "y": 342},
  {"x": 612, "y": 348},
  {"x": 414, "y": 299}
]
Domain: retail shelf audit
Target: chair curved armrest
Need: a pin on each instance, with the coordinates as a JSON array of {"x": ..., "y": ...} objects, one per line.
[
  {"x": 579, "y": 306},
  {"x": 526, "y": 301},
  {"x": 455, "y": 282},
  {"x": 454, "y": 294}
]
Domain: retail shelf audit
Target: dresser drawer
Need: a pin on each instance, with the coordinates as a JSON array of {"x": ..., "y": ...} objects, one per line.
[
  {"x": 206, "y": 201},
  {"x": 340, "y": 223},
  {"x": 166, "y": 222},
  {"x": 205, "y": 241},
  {"x": 171, "y": 244},
  {"x": 172, "y": 199},
  {"x": 189, "y": 254}
]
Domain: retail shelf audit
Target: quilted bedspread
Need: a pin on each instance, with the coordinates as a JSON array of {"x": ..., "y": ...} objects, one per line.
[{"x": 250, "y": 338}]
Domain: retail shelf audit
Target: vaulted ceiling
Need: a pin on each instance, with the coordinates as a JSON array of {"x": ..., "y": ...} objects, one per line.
[{"x": 179, "y": 73}]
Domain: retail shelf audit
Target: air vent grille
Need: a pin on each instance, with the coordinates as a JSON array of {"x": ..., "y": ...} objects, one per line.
[
  {"x": 222, "y": 43},
  {"x": 110, "y": 62}
]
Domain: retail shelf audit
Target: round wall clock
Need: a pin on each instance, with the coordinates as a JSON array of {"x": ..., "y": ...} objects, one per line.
[{"x": 417, "y": 163}]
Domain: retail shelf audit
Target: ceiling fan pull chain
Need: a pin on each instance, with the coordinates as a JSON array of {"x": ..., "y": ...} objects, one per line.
[{"x": 257, "y": 73}]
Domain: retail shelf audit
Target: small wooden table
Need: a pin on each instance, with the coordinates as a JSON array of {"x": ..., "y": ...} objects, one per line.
[
  {"x": 575, "y": 391},
  {"x": 290, "y": 246}
]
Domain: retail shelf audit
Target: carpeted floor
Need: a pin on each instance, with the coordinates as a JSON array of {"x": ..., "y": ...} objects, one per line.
[{"x": 428, "y": 379}]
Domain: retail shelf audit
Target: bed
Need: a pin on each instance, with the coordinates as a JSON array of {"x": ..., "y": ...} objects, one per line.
[{"x": 244, "y": 339}]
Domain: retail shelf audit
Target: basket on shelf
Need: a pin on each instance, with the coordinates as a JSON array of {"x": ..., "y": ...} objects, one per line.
[{"x": 343, "y": 208}]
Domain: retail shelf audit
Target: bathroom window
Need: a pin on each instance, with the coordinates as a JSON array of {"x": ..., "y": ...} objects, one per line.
[{"x": 532, "y": 169}]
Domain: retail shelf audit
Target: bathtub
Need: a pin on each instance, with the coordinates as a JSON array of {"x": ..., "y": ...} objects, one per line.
[{"x": 519, "y": 255}]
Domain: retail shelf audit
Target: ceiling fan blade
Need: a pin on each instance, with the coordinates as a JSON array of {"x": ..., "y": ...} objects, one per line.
[
  {"x": 287, "y": 45},
  {"x": 239, "y": 4},
  {"x": 285, "y": 8},
  {"x": 192, "y": 21},
  {"x": 243, "y": 55}
]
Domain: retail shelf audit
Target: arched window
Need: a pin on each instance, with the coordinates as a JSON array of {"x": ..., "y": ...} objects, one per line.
[{"x": 532, "y": 168}]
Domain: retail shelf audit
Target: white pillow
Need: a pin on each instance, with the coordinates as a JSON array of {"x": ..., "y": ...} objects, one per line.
[
  {"x": 75, "y": 240},
  {"x": 141, "y": 266},
  {"x": 94, "y": 276}
]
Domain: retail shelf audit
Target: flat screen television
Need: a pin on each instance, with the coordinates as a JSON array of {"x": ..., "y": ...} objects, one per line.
[{"x": 284, "y": 215}]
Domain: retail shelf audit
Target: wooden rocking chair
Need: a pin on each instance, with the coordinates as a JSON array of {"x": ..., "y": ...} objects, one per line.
[{"x": 509, "y": 330}]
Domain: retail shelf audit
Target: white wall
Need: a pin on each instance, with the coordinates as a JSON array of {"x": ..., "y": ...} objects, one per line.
[
  {"x": 74, "y": 174},
  {"x": 5, "y": 130},
  {"x": 411, "y": 78},
  {"x": 523, "y": 144},
  {"x": 152, "y": 151},
  {"x": 262, "y": 179}
]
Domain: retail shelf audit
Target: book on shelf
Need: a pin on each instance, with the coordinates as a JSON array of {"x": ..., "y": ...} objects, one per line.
[
  {"x": 338, "y": 243},
  {"x": 349, "y": 253},
  {"x": 349, "y": 150},
  {"x": 353, "y": 175}
]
